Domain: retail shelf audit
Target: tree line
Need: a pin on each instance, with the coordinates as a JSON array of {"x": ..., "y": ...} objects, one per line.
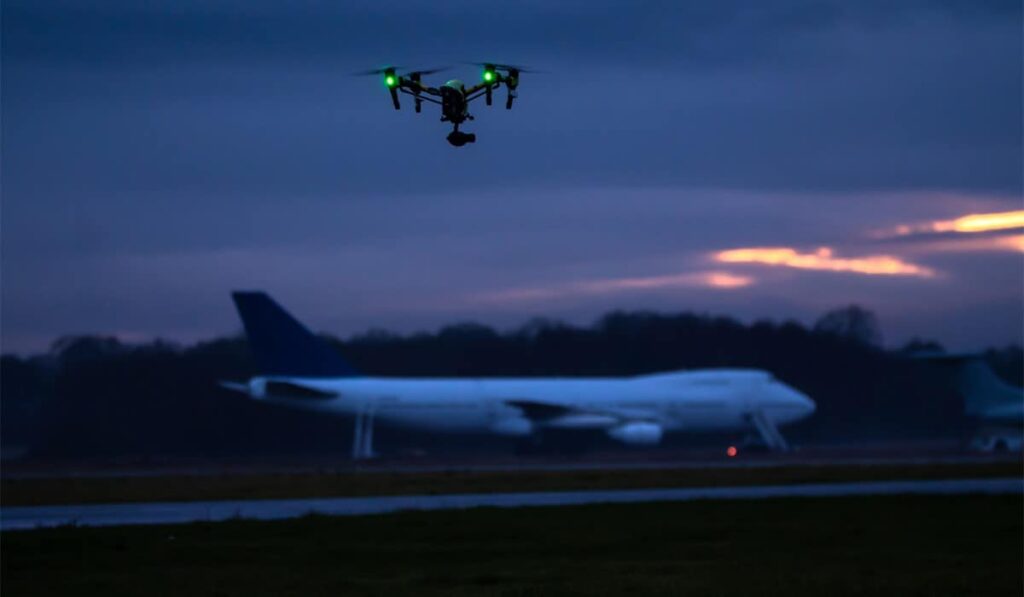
[{"x": 96, "y": 396}]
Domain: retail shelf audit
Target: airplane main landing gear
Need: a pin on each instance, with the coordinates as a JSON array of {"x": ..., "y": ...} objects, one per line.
[{"x": 362, "y": 440}]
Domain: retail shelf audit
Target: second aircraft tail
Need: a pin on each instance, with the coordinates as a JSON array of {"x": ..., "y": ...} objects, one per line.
[{"x": 985, "y": 395}]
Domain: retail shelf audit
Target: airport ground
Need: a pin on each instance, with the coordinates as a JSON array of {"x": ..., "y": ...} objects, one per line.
[
  {"x": 903, "y": 545},
  {"x": 385, "y": 480}
]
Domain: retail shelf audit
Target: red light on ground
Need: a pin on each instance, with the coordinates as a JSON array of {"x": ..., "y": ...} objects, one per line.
[{"x": 731, "y": 452}]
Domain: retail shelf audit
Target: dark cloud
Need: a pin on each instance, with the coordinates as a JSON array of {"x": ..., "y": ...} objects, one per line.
[
  {"x": 178, "y": 149},
  {"x": 700, "y": 33},
  {"x": 253, "y": 97}
]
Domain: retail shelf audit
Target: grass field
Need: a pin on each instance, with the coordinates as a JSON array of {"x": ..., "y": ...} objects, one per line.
[
  {"x": 19, "y": 492},
  {"x": 835, "y": 546}
]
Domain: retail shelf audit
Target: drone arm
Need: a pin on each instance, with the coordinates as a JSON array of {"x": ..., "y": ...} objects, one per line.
[
  {"x": 483, "y": 87},
  {"x": 478, "y": 93},
  {"x": 426, "y": 99},
  {"x": 415, "y": 87}
]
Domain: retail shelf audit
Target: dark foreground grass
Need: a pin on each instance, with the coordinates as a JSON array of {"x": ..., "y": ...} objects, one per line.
[
  {"x": 833, "y": 546},
  {"x": 86, "y": 490}
]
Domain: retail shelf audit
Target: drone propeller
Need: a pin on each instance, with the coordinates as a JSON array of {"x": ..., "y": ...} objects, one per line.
[
  {"x": 395, "y": 82},
  {"x": 426, "y": 71},
  {"x": 491, "y": 77},
  {"x": 377, "y": 71},
  {"x": 393, "y": 70},
  {"x": 506, "y": 67}
]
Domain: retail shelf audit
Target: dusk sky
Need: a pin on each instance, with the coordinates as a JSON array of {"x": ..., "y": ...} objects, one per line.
[{"x": 743, "y": 158}]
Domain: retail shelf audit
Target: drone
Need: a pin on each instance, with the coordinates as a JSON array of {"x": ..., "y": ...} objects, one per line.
[{"x": 453, "y": 97}]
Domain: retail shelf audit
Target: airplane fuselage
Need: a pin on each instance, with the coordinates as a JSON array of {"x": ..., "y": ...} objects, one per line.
[
  {"x": 680, "y": 401},
  {"x": 303, "y": 371}
]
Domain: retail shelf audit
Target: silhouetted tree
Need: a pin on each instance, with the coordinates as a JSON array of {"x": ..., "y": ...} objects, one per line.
[
  {"x": 97, "y": 396},
  {"x": 921, "y": 347},
  {"x": 26, "y": 387},
  {"x": 852, "y": 323}
]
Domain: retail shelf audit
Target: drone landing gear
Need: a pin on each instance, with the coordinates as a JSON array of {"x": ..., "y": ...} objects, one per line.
[{"x": 458, "y": 138}]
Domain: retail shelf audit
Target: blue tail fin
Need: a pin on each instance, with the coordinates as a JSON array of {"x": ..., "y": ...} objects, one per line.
[
  {"x": 985, "y": 395},
  {"x": 283, "y": 346}
]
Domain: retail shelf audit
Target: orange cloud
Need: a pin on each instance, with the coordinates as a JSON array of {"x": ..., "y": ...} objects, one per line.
[
  {"x": 825, "y": 259},
  {"x": 972, "y": 223},
  {"x": 727, "y": 280},
  {"x": 1013, "y": 243},
  {"x": 710, "y": 279}
]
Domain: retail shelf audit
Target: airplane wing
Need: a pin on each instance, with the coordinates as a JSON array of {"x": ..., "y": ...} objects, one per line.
[
  {"x": 287, "y": 389},
  {"x": 234, "y": 386},
  {"x": 563, "y": 415},
  {"x": 630, "y": 426},
  {"x": 539, "y": 411},
  {"x": 280, "y": 390}
]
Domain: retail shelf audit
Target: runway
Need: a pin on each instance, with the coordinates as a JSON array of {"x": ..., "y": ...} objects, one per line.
[
  {"x": 704, "y": 462},
  {"x": 31, "y": 517}
]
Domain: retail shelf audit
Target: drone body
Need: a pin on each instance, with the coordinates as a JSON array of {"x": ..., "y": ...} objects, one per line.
[{"x": 453, "y": 97}]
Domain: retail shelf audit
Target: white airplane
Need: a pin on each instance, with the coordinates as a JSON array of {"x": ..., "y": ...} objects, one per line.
[
  {"x": 298, "y": 369},
  {"x": 994, "y": 408}
]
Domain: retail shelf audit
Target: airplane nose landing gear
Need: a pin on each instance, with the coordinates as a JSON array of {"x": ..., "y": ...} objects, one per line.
[{"x": 458, "y": 138}]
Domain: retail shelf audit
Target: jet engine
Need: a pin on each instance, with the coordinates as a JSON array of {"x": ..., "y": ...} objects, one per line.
[{"x": 637, "y": 433}]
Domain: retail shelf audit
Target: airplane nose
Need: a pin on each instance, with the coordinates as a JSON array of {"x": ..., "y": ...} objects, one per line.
[
  {"x": 798, "y": 404},
  {"x": 807, "y": 406}
]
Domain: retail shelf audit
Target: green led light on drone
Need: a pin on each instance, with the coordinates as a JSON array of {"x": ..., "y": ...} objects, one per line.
[
  {"x": 488, "y": 76},
  {"x": 389, "y": 80}
]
